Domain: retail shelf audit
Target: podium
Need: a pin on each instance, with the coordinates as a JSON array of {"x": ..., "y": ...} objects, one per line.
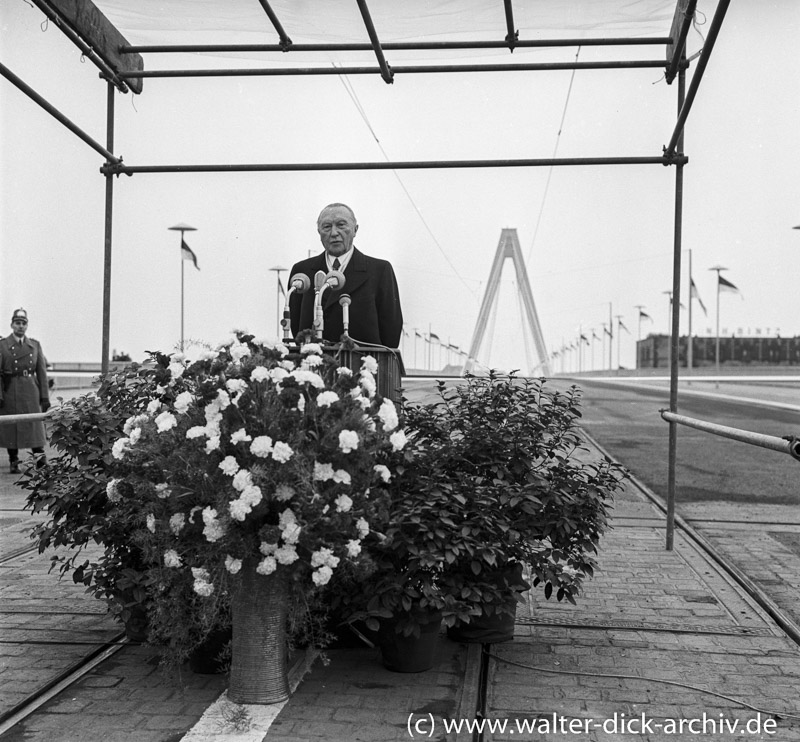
[{"x": 389, "y": 378}]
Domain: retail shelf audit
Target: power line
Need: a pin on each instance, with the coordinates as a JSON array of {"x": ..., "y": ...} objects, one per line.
[{"x": 555, "y": 150}]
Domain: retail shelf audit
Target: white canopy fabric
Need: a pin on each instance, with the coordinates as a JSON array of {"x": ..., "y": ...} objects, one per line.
[{"x": 339, "y": 21}]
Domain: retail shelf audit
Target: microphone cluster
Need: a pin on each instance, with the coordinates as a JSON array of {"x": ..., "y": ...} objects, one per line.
[{"x": 300, "y": 283}]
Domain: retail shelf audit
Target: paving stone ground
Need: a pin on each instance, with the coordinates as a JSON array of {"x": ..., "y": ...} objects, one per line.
[{"x": 658, "y": 639}]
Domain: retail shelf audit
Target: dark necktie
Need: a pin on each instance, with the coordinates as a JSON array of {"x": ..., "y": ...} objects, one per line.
[{"x": 336, "y": 264}]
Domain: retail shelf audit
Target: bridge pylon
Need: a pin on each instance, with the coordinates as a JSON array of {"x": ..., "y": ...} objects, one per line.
[{"x": 508, "y": 247}]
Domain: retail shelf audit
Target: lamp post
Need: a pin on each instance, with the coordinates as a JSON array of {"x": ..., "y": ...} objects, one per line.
[
  {"x": 182, "y": 228},
  {"x": 278, "y": 270}
]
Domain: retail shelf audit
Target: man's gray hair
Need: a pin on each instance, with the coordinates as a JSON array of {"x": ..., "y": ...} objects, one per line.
[{"x": 334, "y": 205}]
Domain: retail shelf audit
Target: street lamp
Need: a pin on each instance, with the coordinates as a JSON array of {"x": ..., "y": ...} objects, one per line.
[
  {"x": 278, "y": 270},
  {"x": 182, "y": 228}
]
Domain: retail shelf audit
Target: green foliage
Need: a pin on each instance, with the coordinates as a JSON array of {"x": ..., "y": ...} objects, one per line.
[
  {"x": 493, "y": 477},
  {"x": 71, "y": 489}
]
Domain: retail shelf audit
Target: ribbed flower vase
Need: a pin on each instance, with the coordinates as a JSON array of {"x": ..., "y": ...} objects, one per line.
[{"x": 258, "y": 662}]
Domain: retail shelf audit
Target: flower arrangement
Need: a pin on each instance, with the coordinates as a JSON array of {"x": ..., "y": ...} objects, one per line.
[{"x": 250, "y": 454}]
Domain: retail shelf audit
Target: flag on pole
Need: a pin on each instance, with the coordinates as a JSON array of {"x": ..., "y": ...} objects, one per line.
[
  {"x": 695, "y": 295},
  {"x": 726, "y": 285},
  {"x": 585, "y": 339},
  {"x": 188, "y": 254},
  {"x": 434, "y": 336},
  {"x": 644, "y": 315},
  {"x": 622, "y": 327},
  {"x": 607, "y": 331}
]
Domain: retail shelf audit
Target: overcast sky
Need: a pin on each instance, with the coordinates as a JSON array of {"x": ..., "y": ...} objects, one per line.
[{"x": 596, "y": 239}]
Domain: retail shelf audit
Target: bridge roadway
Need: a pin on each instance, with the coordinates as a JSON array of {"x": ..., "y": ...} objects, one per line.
[{"x": 745, "y": 500}]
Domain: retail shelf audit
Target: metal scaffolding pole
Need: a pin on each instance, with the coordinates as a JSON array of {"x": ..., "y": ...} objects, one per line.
[
  {"x": 392, "y": 45},
  {"x": 400, "y": 69},
  {"x": 121, "y": 169},
  {"x": 109, "y": 206}
]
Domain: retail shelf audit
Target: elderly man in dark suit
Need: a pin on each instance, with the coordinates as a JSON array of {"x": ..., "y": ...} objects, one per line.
[
  {"x": 375, "y": 314},
  {"x": 24, "y": 389}
]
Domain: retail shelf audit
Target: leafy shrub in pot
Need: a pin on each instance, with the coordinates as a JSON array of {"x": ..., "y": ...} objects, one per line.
[{"x": 508, "y": 451}]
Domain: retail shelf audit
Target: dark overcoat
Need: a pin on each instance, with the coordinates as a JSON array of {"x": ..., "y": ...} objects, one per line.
[
  {"x": 375, "y": 314},
  {"x": 24, "y": 385}
]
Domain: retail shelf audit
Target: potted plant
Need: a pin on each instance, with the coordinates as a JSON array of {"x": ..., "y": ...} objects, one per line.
[
  {"x": 251, "y": 474},
  {"x": 508, "y": 452}
]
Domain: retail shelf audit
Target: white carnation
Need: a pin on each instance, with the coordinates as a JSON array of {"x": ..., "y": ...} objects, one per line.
[
  {"x": 383, "y": 472},
  {"x": 353, "y": 548},
  {"x": 261, "y": 446},
  {"x": 120, "y": 447},
  {"x": 233, "y": 565},
  {"x": 229, "y": 465},
  {"x": 259, "y": 373},
  {"x": 322, "y": 576},
  {"x": 323, "y": 472},
  {"x": 242, "y": 480},
  {"x": 326, "y": 399},
  {"x": 398, "y": 440},
  {"x": 388, "y": 415},
  {"x": 172, "y": 559},
  {"x": 165, "y": 421},
  {"x": 343, "y": 504},
  {"x": 362, "y": 527},
  {"x": 340, "y": 476},
  {"x": 267, "y": 566},
  {"x": 348, "y": 441},
  {"x": 282, "y": 452},
  {"x": 240, "y": 436},
  {"x": 183, "y": 401},
  {"x": 176, "y": 523},
  {"x": 368, "y": 363},
  {"x": 286, "y": 555}
]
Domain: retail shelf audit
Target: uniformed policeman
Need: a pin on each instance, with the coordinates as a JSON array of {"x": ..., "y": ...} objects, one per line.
[{"x": 24, "y": 389}]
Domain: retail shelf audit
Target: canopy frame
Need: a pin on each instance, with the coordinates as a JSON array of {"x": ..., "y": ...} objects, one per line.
[{"x": 121, "y": 64}]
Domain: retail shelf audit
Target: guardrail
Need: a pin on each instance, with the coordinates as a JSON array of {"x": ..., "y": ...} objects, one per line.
[{"x": 789, "y": 444}]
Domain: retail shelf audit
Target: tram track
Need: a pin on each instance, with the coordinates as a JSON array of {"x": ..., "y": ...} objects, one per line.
[{"x": 96, "y": 653}]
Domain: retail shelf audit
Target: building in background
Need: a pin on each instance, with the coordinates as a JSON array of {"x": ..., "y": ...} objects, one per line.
[{"x": 653, "y": 351}]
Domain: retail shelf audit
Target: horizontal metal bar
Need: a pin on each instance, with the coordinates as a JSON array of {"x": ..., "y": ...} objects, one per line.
[
  {"x": 393, "y": 46},
  {"x": 790, "y": 445},
  {"x": 55, "y": 113},
  {"x": 401, "y": 69},
  {"x": 29, "y": 417},
  {"x": 121, "y": 169}
]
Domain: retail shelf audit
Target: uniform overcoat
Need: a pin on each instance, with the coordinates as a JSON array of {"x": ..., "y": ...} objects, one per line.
[{"x": 24, "y": 384}]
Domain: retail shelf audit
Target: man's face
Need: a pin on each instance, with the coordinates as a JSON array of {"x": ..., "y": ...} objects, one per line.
[
  {"x": 337, "y": 228},
  {"x": 19, "y": 327}
]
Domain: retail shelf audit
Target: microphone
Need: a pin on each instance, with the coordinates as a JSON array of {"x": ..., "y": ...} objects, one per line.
[
  {"x": 335, "y": 280},
  {"x": 300, "y": 283},
  {"x": 344, "y": 303}
]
